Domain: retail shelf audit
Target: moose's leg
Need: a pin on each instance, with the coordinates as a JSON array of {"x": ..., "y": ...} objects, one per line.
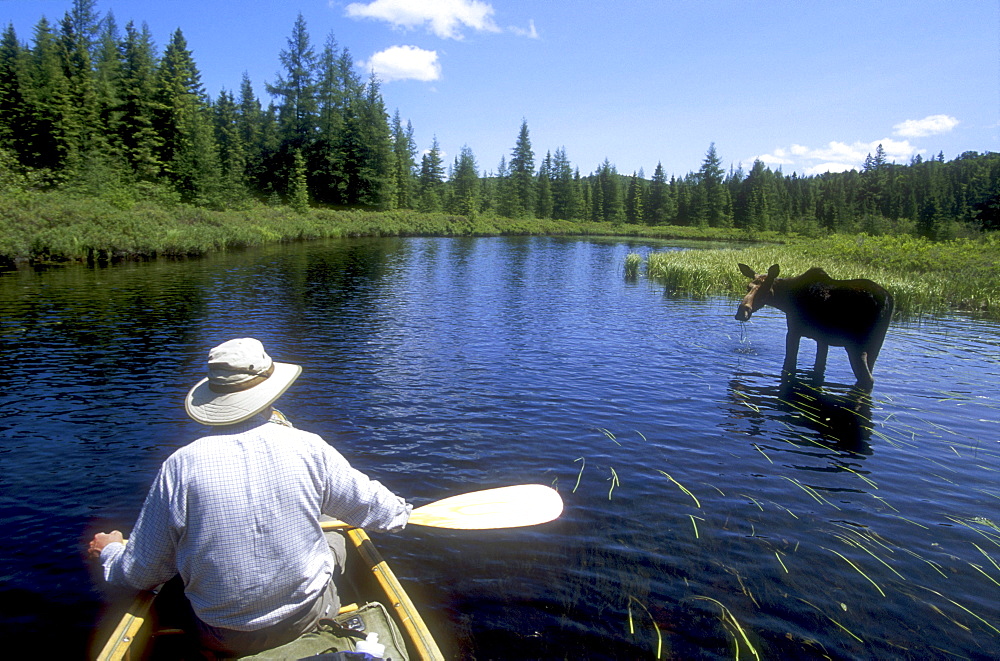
[
  {"x": 822, "y": 349},
  {"x": 791, "y": 353},
  {"x": 873, "y": 349},
  {"x": 859, "y": 363}
]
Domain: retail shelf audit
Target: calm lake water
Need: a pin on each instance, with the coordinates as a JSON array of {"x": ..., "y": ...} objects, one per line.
[{"x": 710, "y": 512}]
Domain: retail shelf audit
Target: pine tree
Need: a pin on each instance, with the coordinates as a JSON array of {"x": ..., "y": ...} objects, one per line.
[
  {"x": 48, "y": 113},
  {"x": 296, "y": 90},
  {"x": 298, "y": 186},
  {"x": 566, "y": 201},
  {"x": 135, "y": 118},
  {"x": 232, "y": 151},
  {"x": 333, "y": 100},
  {"x": 431, "y": 181},
  {"x": 757, "y": 198},
  {"x": 107, "y": 61},
  {"x": 608, "y": 199},
  {"x": 543, "y": 188},
  {"x": 522, "y": 174},
  {"x": 249, "y": 127},
  {"x": 655, "y": 210},
  {"x": 332, "y": 93},
  {"x": 76, "y": 38},
  {"x": 506, "y": 200},
  {"x": 634, "y": 202},
  {"x": 712, "y": 198},
  {"x": 14, "y": 125},
  {"x": 184, "y": 125},
  {"x": 465, "y": 184},
  {"x": 365, "y": 170},
  {"x": 404, "y": 151}
]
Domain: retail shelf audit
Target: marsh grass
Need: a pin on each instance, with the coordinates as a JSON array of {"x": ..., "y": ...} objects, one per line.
[
  {"x": 923, "y": 276},
  {"x": 633, "y": 262}
]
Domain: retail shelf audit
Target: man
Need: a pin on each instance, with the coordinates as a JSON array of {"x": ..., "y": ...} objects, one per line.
[{"x": 236, "y": 513}]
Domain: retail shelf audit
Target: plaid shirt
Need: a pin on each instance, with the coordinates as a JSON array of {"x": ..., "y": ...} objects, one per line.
[{"x": 236, "y": 514}]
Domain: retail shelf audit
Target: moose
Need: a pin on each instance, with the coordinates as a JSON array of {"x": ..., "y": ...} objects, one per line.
[{"x": 853, "y": 314}]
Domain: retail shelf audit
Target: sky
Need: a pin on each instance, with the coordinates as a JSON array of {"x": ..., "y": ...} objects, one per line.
[{"x": 808, "y": 86}]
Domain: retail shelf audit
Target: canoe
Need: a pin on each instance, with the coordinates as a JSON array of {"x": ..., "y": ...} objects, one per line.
[{"x": 146, "y": 632}]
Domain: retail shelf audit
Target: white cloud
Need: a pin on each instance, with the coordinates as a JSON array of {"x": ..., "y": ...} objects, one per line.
[
  {"x": 921, "y": 128},
  {"x": 530, "y": 32},
  {"x": 823, "y": 168},
  {"x": 445, "y": 18},
  {"x": 778, "y": 157},
  {"x": 405, "y": 63},
  {"x": 838, "y": 156}
]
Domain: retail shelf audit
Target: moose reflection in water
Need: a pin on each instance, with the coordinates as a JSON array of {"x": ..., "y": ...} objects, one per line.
[
  {"x": 853, "y": 314},
  {"x": 843, "y": 420}
]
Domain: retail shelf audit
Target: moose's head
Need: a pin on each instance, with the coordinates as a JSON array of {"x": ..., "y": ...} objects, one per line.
[{"x": 760, "y": 291}]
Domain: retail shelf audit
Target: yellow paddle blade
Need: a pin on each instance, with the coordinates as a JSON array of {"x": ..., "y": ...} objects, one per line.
[{"x": 504, "y": 507}]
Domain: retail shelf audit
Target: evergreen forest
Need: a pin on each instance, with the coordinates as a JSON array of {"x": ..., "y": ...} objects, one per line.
[{"x": 92, "y": 108}]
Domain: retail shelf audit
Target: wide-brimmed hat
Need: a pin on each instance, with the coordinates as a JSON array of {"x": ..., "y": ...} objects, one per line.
[{"x": 242, "y": 381}]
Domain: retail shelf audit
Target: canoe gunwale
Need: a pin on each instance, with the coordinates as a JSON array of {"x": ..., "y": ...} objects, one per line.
[{"x": 130, "y": 637}]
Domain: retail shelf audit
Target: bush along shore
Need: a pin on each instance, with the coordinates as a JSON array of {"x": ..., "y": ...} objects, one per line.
[
  {"x": 53, "y": 227},
  {"x": 924, "y": 276}
]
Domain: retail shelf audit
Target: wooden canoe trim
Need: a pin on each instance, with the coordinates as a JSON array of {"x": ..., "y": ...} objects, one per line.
[
  {"x": 119, "y": 644},
  {"x": 409, "y": 617}
]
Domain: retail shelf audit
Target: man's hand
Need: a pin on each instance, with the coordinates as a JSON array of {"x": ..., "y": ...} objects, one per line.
[{"x": 101, "y": 540}]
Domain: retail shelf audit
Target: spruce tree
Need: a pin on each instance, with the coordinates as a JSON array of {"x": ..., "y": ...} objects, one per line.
[
  {"x": 49, "y": 134},
  {"x": 13, "y": 83},
  {"x": 713, "y": 200},
  {"x": 404, "y": 151},
  {"x": 249, "y": 126},
  {"x": 634, "y": 201},
  {"x": 232, "y": 151},
  {"x": 465, "y": 184},
  {"x": 134, "y": 123},
  {"x": 296, "y": 89},
  {"x": 76, "y": 38},
  {"x": 522, "y": 174},
  {"x": 543, "y": 189},
  {"x": 298, "y": 186},
  {"x": 184, "y": 125},
  {"x": 566, "y": 202},
  {"x": 431, "y": 180},
  {"x": 365, "y": 166}
]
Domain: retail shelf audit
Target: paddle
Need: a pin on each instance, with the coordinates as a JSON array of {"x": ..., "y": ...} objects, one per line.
[{"x": 505, "y": 507}]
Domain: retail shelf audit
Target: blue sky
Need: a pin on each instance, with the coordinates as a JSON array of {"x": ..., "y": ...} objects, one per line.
[{"x": 806, "y": 85}]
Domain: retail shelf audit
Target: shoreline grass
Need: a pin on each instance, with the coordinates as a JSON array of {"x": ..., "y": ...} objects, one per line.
[
  {"x": 47, "y": 227},
  {"x": 923, "y": 276}
]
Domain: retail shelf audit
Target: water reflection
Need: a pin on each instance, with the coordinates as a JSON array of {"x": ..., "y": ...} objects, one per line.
[
  {"x": 842, "y": 420},
  {"x": 692, "y": 475}
]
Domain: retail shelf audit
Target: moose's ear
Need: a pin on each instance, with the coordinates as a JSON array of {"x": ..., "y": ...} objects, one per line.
[
  {"x": 747, "y": 271},
  {"x": 773, "y": 271}
]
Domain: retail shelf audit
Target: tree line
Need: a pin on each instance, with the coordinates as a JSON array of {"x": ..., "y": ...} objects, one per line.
[{"x": 92, "y": 107}]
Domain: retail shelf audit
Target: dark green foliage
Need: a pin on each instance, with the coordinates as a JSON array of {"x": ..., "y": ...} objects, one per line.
[{"x": 97, "y": 111}]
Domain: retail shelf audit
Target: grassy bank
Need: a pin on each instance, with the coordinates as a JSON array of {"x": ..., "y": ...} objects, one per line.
[
  {"x": 58, "y": 227},
  {"x": 923, "y": 276}
]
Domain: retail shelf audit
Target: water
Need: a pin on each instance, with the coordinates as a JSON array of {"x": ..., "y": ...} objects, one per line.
[{"x": 710, "y": 512}]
